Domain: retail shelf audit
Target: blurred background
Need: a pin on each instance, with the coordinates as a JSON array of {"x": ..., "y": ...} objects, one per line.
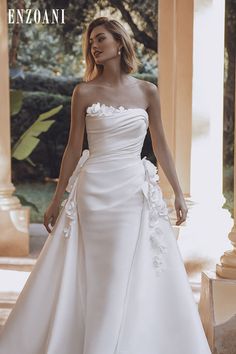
[{"x": 46, "y": 63}]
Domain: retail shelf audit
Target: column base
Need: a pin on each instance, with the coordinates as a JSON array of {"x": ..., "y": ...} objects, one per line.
[
  {"x": 14, "y": 235},
  {"x": 217, "y": 308},
  {"x": 226, "y": 272}
]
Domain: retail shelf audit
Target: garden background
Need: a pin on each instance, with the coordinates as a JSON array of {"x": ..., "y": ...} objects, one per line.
[{"x": 46, "y": 63}]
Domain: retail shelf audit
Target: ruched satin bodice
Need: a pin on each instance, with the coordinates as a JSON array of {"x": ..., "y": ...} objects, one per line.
[
  {"x": 112, "y": 171},
  {"x": 115, "y": 133}
]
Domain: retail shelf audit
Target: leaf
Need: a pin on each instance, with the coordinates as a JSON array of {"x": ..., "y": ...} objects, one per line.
[
  {"x": 25, "y": 202},
  {"x": 30, "y": 162},
  {"x": 16, "y": 100},
  {"x": 28, "y": 140},
  {"x": 25, "y": 147},
  {"x": 50, "y": 113}
]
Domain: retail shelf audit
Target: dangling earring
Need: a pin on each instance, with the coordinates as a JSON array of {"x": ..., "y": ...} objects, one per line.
[{"x": 119, "y": 52}]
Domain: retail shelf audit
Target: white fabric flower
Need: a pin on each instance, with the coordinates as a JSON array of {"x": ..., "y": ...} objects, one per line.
[
  {"x": 70, "y": 210},
  {"x": 152, "y": 171},
  {"x": 157, "y": 209},
  {"x": 98, "y": 109},
  {"x": 69, "y": 204},
  {"x": 75, "y": 174}
]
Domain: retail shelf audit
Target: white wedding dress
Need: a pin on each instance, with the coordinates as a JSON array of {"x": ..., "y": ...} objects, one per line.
[{"x": 110, "y": 278}]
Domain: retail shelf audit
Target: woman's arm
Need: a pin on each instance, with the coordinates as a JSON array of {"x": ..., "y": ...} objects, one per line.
[
  {"x": 71, "y": 154},
  {"x": 162, "y": 151},
  {"x": 73, "y": 148}
]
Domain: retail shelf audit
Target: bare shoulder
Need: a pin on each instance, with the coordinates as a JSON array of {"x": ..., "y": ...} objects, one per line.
[
  {"x": 151, "y": 92},
  {"x": 82, "y": 88},
  {"x": 82, "y": 92},
  {"x": 150, "y": 88}
]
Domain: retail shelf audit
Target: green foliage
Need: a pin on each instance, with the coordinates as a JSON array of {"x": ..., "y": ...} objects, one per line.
[
  {"x": 29, "y": 139},
  {"x": 37, "y": 196},
  {"x": 24, "y": 201},
  {"x": 16, "y": 100},
  {"x": 47, "y": 155},
  {"x": 57, "y": 50},
  {"x": 229, "y": 88}
]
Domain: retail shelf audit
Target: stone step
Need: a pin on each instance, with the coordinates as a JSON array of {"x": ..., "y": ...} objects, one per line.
[{"x": 25, "y": 264}]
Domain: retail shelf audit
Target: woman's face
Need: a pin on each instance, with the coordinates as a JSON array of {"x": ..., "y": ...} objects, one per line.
[{"x": 103, "y": 46}]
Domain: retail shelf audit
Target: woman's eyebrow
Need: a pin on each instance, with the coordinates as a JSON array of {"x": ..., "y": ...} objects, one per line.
[{"x": 96, "y": 35}]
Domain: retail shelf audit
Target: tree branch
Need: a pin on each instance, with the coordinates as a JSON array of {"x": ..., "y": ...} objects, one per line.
[{"x": 140, "y": 36}]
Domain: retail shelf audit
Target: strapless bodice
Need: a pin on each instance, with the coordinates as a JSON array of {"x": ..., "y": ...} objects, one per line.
[
  {"x": 115, "y": 138},
  {"x": 115, "y": 132}
]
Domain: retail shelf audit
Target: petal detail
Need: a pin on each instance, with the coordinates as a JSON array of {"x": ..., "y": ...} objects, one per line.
[
  {"x": 75, "y": 174},
  {"x": 157, "y": 209},
  {"x": 98, "y": 109},
  {"x": 69, "y": 204}
]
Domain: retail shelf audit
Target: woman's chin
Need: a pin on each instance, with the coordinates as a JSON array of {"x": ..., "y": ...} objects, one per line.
[{"x": 99, "y": 61}]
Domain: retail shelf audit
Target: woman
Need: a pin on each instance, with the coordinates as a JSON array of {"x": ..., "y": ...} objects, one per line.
[{"x": 110, "y": 278}]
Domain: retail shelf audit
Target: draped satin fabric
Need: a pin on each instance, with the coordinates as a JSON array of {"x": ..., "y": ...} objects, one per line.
[{"x": 110, "y": 278}]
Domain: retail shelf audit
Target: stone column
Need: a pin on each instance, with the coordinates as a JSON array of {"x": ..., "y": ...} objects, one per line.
[
  {"x": 14, "y": 219},
  {"x": 175, "y": 48},
  {"x": 203, "y": 237},
  {"x": 191, "y": 80},
  {"x": 227, "y": 267}
]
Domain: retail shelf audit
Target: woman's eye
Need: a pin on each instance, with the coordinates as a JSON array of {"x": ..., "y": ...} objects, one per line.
[{"x": 99, "y": 40}]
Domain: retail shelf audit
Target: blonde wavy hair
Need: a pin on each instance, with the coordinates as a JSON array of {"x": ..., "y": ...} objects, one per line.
[{"x": 129, "y": 61}]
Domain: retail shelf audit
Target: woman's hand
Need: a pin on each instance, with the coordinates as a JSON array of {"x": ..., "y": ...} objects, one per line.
[
  {"x": 181, "y": 209},
  {"x": 51, "y": 214}
]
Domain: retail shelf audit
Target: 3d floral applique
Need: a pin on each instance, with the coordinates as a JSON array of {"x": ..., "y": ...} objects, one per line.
[
  {"x": 69, "y": 204},
  {"x": 99, "y": 109},
  {"x": 75, "y": 174},
  {"x": 70, "y": 210},
  {"x": 158, "y": 249},
  {"x": 157, "y": 209}
]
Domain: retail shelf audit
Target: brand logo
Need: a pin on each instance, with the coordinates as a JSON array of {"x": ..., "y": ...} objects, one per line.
[{"x": 35, "y": 16}]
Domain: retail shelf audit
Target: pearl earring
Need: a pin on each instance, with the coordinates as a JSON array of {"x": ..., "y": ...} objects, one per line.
[{"x": 119, "y": 51}]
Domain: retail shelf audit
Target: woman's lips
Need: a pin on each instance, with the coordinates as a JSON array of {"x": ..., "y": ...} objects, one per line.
[{"x": 97, "y": 54}]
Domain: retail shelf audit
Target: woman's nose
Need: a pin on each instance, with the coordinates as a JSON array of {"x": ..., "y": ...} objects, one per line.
[{"x": 94, "y": 46}]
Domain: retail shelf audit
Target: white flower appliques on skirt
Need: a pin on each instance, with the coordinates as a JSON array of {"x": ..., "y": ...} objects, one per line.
[
  {"x": 70, "y": 203},
  {"x": 157, "y": 210}
]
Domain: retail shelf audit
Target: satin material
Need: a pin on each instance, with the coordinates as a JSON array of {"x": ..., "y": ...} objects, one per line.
[{"x": 110, "y": 278}]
